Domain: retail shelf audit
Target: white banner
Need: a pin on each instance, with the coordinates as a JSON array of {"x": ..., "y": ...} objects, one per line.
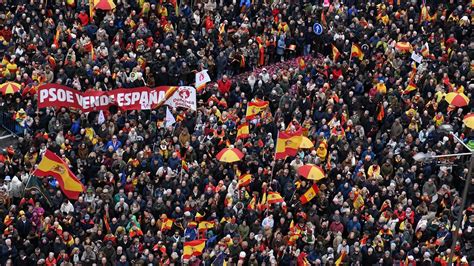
[{"x": 185, "y": 97}]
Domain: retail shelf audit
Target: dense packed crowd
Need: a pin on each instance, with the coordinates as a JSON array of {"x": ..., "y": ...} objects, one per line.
[{"x": 364, "y": 123}]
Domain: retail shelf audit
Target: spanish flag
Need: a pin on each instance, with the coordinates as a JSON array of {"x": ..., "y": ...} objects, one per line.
[
  {"x": 254, "y": 108},
  {"x": 411, "y": 87},
  {"x": 91, "y": 10},
  {"x": 199, "y": 216},
  {"x": 335, "y": 53},
  {"x": 323, "y": 19},
  {"x": 309, "y": 194},
  {"x": 425, "y": 50},
  {"x": 274, "y": 197},
  {"x": 358, "y": 201},
  {"x": 243, "y": 131},
  {"x": 205, "y": 225},
  {"x": 252, "y": 203},
  {"x": 193, "y": 248},
  {"x": 381, "y": 113},
  {"x": 288, "y": 143},
  {"x": 244, "y": 180},
  {"x": 52, "y": 165},
  {"x": 357, "y": 52},
  {"x": 167, "y": 224},
  {"x": 263, "y": 201},
  {"x": 56, "y": 37},
  {"x": 302, "y": 63},
  {"x": 403, "y": 47},
  {"x": 184, "y": 166},
  {"x": 341, "y": 258}
]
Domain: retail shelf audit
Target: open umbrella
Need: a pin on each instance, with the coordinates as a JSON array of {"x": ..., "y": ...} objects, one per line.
[
  {"x": 469, "y": 120},
  {"x": 306, "y": 143},
  {"x": 9, "y": 88},
  {"x": 229, "y": 155},
  {"x": 311, "y": 172},
  {"x": 457, "y": 99},
  {"x": 104, "y": 4}
]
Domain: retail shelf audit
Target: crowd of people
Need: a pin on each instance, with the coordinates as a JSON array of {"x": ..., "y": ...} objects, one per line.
[{"x": 364, "y": 123}]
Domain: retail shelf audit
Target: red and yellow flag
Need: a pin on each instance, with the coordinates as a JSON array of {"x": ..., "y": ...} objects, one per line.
[
  {"x": 167, "y": 224},
  {"x": 341, "y": 258},
  {"x": 243, "y": 131},
  {"x": 184, "y": 166},
  {"x": 193, "y": 248},
  {"x": 205, "y": 225},
  {"x": 403, "y": 47},
  {"x": 252, "y": 204},
  {"x": 288, "y": 143},
  {"x": 411, "y": 87},
  {"x": 52, "y": 165},
  {"x": 358, "y": 201},
  {"x": 357, "y": 52},
  {"x": 335, "y": 53},
  {"x": 309, "y": 194},
  {"x": 302, "y": 63},
  {"x": 255, "y": 107},
  {"x": 323, "y": 19},
  {"x": 56, "y": 37},
  {"x": 244, "y": 180},
  {"x": 381, "y": 113},
  {"x": 274, "y": 197}
]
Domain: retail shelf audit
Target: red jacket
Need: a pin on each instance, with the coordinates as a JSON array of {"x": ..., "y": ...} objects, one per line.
[{"x": 224, "y": 87}]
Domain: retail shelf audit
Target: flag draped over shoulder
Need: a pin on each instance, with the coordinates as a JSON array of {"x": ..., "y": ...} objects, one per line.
[
  {"x": 52, "y": 165},
  {"x": 193, "y": 248},
  {"x": 288, "y": 143}
]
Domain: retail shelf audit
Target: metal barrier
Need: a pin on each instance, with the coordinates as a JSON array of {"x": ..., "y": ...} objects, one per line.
[{"x": 9, "y": 124}]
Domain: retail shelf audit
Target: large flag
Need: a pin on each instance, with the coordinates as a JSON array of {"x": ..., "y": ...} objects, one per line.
[
  {"x": 309, "y": 194},
  {"x": 274, "y": 197},
  {"x": 288, "y": 143},
  {"x": 243, "y": 131},
  {"x": 244, "y": 180},
  {"x": 201, "y": 79},
  {"x": 255, "y": 107},
  {"x": 335, "y": 53},
  {"x": 52, "y": 165},
  {"x": 34, "y": 184},
  {"x": 356, "y": 51},
  {"x": 193, "y": 248},
  {"x": 169, "y": 120}
]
